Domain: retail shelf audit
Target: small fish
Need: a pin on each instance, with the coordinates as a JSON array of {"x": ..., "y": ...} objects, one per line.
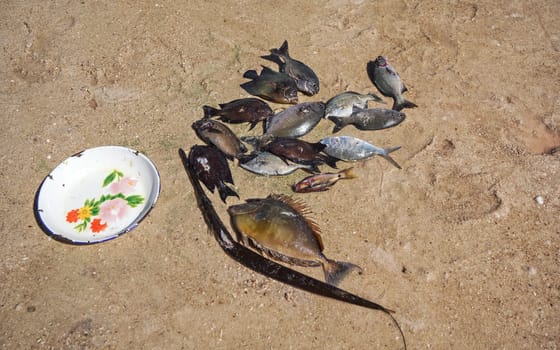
[
  {"x": 266, "y": 267},
  {"x": 369, "y": 119},
  {"x": 388, "y": 82},
  {"x": 321, "y": 182},
  {"x": 295, "y": 121},
  {"x": 215, "y": 133},
  {"x": 272, "y": 86},
  {"x": 277, "y": 226},
  {"x": 301, "y": 152},
  {"x": 306, "y": 80},
  {"x": 245, "y": 110},
  {"x": 268, "y": 164},
  {"x": 212, "y": 168},
  {"x": 341, "y": 105},
  {"x": 350, "y": 148}
]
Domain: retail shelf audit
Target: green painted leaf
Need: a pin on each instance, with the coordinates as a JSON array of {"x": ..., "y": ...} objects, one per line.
[
  {"x": 134, "y": 200},
  {"x": 110, "y": 178}
]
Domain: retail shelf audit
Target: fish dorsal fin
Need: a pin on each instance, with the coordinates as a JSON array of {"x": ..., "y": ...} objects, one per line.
[{"x": 303, "y": 210}]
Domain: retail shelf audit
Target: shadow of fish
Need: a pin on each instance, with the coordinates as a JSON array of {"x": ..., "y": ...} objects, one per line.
[
  {"x": 306, "y": 79},
  {"x": 270, "y": 85},
  {"x": 266, "y": 267}
]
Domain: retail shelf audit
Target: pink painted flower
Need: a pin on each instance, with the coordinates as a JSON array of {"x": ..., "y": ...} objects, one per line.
[
  {"x": 113, "y": 210},
  {"x": 125, "y": 185}
]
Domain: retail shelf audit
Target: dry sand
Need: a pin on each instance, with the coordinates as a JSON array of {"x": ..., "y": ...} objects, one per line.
[{"x": 454, "y": 242}]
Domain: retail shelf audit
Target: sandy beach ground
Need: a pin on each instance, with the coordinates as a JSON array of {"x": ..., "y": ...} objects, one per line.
[{"x": 455, "y": 242}]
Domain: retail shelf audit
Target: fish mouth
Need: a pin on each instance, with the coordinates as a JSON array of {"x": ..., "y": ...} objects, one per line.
[
  {"x": 381, "y": 61},
  {"x": 242, "y": 209}
]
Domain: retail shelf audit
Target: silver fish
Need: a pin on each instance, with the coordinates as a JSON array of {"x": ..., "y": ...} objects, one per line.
[
  {"x": 388, "y": 82},
  {"x": 268, "y": 164},
  {"x": 369, "y": 119},
  {"x": 350, "y": 148},
  {"x": 295, "y": 121},
  {"x": 341, "y": 105},
  {"x": 306, "y": 80}
]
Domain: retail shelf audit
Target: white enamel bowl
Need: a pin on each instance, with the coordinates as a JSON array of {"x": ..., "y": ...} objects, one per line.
[{"x": 97, "y": 195}]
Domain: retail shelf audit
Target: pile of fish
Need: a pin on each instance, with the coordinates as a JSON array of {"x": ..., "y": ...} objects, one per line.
[{"x": 278, "y": 226}]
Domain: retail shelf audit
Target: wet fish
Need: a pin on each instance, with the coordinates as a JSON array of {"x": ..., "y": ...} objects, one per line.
[
  {"x": 212, "y": 168},
  {"x": 245, "y": 110},
  {"x": 268, "y": 164},
  {"x": 306, "y": 80},
  {"x": 215, "y": 133},
  {"x": 266, "y": 267},
  {"x": 301, "y": 152},
  {"x": 321, "y": 182},
  {"x": 369, "y": 119},
  {"x": 295, "y": 121},
  {"x": 277, "y": 226},
  {"x": 341, "y": 105},
  {"x": 270, "y": 85},
  {"x": 388, "y": 82},
  {"x": 350, "y": 148}
]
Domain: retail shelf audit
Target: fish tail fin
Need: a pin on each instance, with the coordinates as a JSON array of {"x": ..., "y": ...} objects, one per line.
[
  {"x": 376, "y": 98},
  {"x": 347, "y": 173},
  {"x": 389, "y": 158},
  {"x": 335, "y": 271},
  {"x": 282, "y": 51},
  {"x": 339, "y": 123},
  {"x": 210, "y": 112},
  {"x": 251, "y": 74},
  {"x": 400, "y": 105},
  {"x": 273, "y": 58},
  {"x": 331, "y": 161},
  {"x": 225, "y": 191}
]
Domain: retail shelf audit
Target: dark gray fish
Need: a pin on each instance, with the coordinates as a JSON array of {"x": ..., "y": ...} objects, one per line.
[
  {"x": 270, "y": 85},
  {"x": 388, "y": 82},
  {"x": 245, "y": 110},
  {"x": 350, "y": 148},
  {"x": 341, "y": 105},
  {"x": 212, "y": 168},
  {"x": 268, "y": 164},
  {"x": 301, "y": 152},
  {"x": 215, "y": 133},
  {"x": 295, "y": 121},
  {"x": 369, "y": 119},
  {"x": 264, "y": 266},
  {"x": 306, "y": 80}
]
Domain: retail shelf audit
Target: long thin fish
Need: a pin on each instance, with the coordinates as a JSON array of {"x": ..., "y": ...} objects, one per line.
[{"x": 267, "y": 267}]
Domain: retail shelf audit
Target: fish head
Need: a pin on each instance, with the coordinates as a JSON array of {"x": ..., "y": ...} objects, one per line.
[
  {"x": 204, "y": 125},
  {"x": 381, "y": 61},
  {"x": 309, "y": 87},
  {"x": 250, "y": 217}
]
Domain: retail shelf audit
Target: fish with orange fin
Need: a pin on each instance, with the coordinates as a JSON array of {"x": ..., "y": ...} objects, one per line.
[
  {"x": 321, "y": 182},
  {"x": 277, "y": 227}
]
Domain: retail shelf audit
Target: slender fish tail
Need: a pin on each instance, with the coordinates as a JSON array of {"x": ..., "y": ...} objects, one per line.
[
  {"x": 210, "y": 111},
  {"x": 402, "y": 103},
  {"x": 385, "y": 154},
  {"x": 335, "y": 271},
  {"x": 339, "y": 123},
  {"x": 347, "y": 173}
]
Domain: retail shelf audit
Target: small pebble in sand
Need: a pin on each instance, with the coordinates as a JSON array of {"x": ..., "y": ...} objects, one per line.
[{"x": 539, "y": 200}]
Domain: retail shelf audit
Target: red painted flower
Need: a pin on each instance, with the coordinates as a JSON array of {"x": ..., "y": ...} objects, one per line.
[
  {"x": 72, "y": 215},
  {"x": 97, "y": 226}
]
